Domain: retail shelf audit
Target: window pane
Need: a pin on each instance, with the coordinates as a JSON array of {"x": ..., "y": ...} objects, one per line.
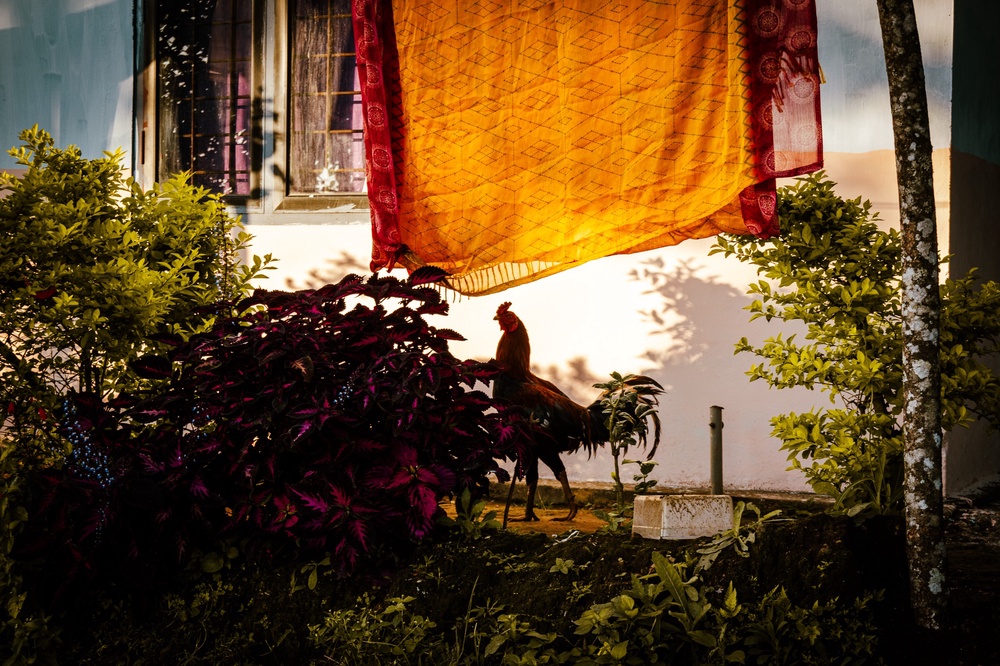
[
  {"x": 204, "y": 54},
  {"x": 326, "y": 152}
]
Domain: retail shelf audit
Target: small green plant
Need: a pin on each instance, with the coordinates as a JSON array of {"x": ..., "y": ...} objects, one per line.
[
  {"x": 522, "y": 645},
  {"x": 643, "y": 484},
  {"x": 311, "y": 570},
  {"x": 471, "y": 518},
  {"x": 215, "y": 561},
  {"x": 776, "y": 631},
  {"x": 368, "y": 634},
  {"x": 580, "y": 590},
  {"x": 626, "y": 402},
  {"x": 739, "y": 537},
  {"x": 619, "y": 518},
  {"x": 663, "y": 617},
  {"x": 562, "y": 566},
  {"x": 472, "y": 631},
  {"x": 836, "y": 272},
  {"x": 615, "y": 521}
]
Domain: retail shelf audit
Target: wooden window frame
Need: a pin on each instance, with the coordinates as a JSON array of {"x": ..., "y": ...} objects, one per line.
[{"x": 269, "y": 201}]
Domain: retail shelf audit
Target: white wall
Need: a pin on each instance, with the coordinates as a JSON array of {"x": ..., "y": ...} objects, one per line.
[
  {"x": 595, "y": 313},
  {"x": 600, "y": 313},
  {"x": 597, "y": 316}
]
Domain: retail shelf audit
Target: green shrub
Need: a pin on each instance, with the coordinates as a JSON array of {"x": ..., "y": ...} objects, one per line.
[
  {"x": 327, "y": 422},
  {"x": 94, "y": 272},
  {"x": 664, "y": 618},
  {"x": 776, "y": 631},
  {"x": 463, "y": 601},
  {"x": 834, "y": 271},
  {"x": 370, "y": 634}
]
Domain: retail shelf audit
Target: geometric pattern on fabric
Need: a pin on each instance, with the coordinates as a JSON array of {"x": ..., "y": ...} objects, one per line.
[{"x": 512, "y": 140}]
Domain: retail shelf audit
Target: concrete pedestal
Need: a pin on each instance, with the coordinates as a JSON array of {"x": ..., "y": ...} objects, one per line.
[{"x": 681, "y": 516}]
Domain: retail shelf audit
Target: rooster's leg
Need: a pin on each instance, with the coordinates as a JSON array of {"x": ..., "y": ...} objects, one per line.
[
  {"x": 555, "y": 463},
  {"x": 531, "y": 481},
  {"x": 510, "y": 496},
  {"x": 568, "y": 493},
  {"x": 529, "y": 504}
]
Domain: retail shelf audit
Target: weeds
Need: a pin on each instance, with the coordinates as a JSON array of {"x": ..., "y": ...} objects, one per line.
[{"x": 739, "y": 537}]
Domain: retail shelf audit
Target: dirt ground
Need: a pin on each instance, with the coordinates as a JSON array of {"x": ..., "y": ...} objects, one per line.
[{"x": 550, "y": 521}]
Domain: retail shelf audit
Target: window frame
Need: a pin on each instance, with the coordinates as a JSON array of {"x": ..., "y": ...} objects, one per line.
[{"x": 269, "y": 201}]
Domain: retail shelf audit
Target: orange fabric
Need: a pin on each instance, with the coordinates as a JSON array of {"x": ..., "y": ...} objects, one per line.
[{"x": 530, "y": 136}]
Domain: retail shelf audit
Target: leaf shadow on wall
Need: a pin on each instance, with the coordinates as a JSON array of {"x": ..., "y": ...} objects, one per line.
[
  {"x": 335, "y": 270},
  {"x": 697, "y": 319}
]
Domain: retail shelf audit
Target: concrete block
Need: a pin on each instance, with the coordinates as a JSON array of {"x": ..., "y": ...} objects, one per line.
[{"x": 681, "y": 516}]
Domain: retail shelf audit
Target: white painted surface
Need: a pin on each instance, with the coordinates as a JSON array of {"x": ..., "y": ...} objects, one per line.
[
  {"x": 594, "y": 315},
  {"x": 681, "y": 516}
]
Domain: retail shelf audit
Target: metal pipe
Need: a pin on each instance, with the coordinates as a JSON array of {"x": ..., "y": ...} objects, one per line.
[{"x": 715, "y": 423}]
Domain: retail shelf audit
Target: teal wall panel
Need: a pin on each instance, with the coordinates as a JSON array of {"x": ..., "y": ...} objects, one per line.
[
  {"x": 66, "y": 65},
  {"x": 976, "y": 122}
]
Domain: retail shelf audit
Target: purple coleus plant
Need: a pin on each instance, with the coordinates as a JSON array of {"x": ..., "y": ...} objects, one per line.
[
  {"x": 334, "y": 420},
  {"x": 335, "y": 417}
]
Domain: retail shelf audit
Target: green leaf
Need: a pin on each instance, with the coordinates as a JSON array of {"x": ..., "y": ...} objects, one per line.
[
  {"x": 620, "y": 650},
  {"x": 495, "y": 643},
  {"x": 212, "y": 562}
]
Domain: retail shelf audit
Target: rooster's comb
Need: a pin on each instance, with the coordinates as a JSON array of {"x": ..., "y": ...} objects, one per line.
[{"x": 503, "y": 308}]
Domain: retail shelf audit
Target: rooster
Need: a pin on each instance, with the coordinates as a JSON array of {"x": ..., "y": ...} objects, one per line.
[{"x": 562, "y": 425}]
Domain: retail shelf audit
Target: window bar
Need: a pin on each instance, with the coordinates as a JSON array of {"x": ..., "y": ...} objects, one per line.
[
  {"x": 327, "y": 152},
  {"x": 331, "y": 49},
  {"x": 232, "y": 184}
]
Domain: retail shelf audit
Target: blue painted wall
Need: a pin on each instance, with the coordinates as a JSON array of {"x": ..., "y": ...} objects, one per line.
[{"x": 66, "y": 65}]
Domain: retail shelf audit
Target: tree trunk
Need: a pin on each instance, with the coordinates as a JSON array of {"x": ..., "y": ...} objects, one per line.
[{"x": 920, "y": 308}]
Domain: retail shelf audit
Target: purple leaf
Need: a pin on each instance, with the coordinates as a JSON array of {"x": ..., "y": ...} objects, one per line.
[
  {"x": 152, "y": 366},
  {"x": 448, "y": 334},
  {"x": 312, "y": 502},
  {"x": 46, "y": 294},
  {"x": 301, "y": 431},
  {"x": 427, "y": 275},
  {"x": 198, "y": 488}
]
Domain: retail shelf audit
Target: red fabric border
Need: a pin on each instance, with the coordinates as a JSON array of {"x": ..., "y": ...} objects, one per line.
[
  {"x": 785, "y": 103},
  {"x": 378, "y": 71}
]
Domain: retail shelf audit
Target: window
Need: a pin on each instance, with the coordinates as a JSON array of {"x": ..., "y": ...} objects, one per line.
[
  {"x": 258, "y": 99},
  {"x": 203, "y": 102},
  {"x": 326, "y": 149}
]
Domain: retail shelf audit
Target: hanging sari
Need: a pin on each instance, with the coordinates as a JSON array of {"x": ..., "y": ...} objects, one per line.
[{"x": 507, "y": 141}]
